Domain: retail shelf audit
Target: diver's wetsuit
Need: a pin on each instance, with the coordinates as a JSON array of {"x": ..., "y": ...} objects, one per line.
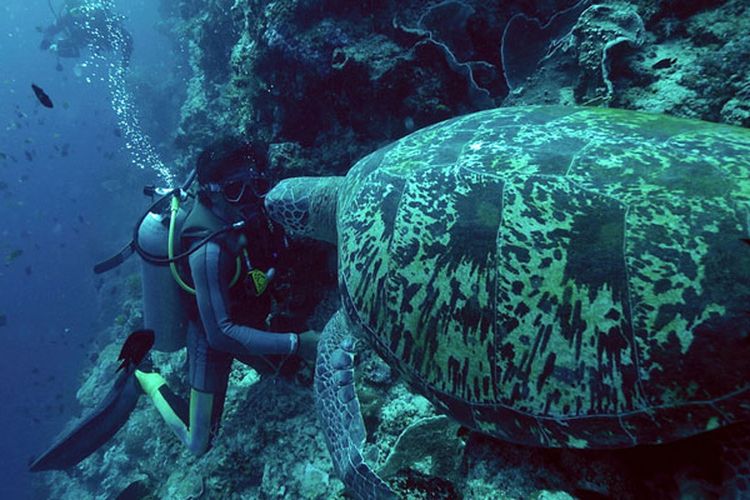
[
  {"x": 216, "y": 339},
  {"x": 215, "y": 336}
]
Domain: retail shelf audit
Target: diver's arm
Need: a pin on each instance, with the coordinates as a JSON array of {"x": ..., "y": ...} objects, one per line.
[
  {"x": 210, "y": 268},
  {"x": 191, "y": 426}
]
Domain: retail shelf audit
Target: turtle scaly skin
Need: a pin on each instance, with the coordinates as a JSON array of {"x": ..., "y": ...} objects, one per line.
[{"x": 554, "y": 276}]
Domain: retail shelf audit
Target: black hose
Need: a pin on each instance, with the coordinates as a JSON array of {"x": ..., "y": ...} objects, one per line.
[
  {"x": 134, "y": 245},
  {"x": 189, "y": 180},
  {"x": 157, "y": 259}
]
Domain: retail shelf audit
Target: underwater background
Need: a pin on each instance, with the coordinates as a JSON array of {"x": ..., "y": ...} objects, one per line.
[{"x": 323, "y": 83}]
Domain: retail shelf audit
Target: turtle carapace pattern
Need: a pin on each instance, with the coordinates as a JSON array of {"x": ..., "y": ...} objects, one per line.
[{"x": 552, "y": 276}]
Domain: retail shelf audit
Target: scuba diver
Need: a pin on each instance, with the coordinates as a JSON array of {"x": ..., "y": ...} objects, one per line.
[
  {"x": 226, "y": 235},
  {"x": 84, "y": 23},
  {"x": 224, "y": 327}
]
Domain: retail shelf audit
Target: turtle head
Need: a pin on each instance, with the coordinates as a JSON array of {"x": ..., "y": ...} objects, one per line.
[{"x": 306, "y": 206}]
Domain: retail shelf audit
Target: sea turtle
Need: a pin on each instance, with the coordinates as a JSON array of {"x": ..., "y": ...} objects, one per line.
[{"x": 552, "y": 276}]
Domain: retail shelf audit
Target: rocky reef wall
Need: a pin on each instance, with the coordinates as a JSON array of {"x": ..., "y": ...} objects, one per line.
[{"x": 326, "y": 82}]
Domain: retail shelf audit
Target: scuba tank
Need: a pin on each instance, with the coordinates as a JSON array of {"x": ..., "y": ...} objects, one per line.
[
  {"x": 165, "y": 293},
  {"x": 164, "y": 302}
]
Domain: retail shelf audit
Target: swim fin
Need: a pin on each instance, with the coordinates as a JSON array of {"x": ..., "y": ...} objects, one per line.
[{"x": 98, "y": 427}]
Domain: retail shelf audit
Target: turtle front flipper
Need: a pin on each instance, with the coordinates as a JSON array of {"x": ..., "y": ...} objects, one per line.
[{"x": 339, "y": 412}]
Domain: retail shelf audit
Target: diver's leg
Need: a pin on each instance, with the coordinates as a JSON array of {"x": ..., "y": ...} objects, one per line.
[
  {"x": 169, "y": 405},
  {"x": 209, "y": 375},
  {"x": 193, "y": 424}
]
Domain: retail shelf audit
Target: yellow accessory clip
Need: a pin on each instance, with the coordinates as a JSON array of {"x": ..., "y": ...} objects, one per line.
[{"x": 260, "y": 281}]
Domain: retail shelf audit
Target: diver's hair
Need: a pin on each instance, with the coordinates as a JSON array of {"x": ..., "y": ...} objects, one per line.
[{"x": 230, "y": 155}]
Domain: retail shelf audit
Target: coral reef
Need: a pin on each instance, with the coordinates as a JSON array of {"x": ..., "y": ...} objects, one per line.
[
  {"x": 576, "y": 69},
  {"x": 324, "y": 82}
]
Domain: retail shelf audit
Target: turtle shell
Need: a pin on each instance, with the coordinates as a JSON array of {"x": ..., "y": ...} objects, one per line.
[{"x": 556, "y": 276}]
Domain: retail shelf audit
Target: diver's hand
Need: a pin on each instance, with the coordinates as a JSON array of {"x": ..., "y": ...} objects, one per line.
[{"x": 308, "y": 344}]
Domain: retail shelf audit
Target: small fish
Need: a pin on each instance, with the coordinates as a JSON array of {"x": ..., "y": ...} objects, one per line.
[
  {"x": 3, "y": 319},
  {"x": 664, "y": 63},
  {"x": 13, "y": 255},
  {"x": 42, "y": 96},
  {"x": 27, "y": 270},
  {"x": 135, "y": 348},
  {"x": 29, "y": 156}
]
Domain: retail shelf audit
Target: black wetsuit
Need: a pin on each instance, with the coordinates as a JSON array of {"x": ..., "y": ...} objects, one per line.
[{"x": 228, "y": 323}]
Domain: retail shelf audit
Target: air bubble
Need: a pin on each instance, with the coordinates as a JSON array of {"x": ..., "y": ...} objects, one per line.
[{"x": 109, "y": 43}]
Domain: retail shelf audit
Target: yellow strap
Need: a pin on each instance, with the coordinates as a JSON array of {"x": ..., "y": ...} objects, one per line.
[{"x": 174, "y": 207}]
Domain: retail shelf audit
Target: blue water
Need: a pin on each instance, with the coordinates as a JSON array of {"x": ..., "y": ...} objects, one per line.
[{"x": 64, "y": 213}]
